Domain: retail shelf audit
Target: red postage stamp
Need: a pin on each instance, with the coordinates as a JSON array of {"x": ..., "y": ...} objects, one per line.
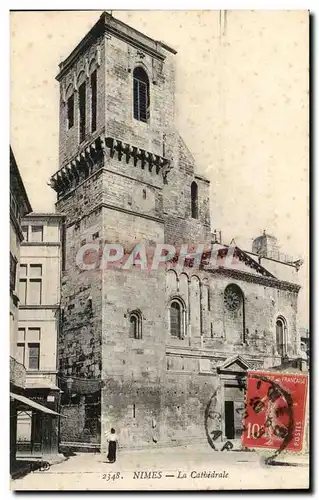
[{"x": 275, "y": 410}]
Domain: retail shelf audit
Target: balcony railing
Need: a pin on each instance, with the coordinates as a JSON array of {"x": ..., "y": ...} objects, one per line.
[
  {"x": 17, "y": 373},
  {"x": 281, "y": 257}
]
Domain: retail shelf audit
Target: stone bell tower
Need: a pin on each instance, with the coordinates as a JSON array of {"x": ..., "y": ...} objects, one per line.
[{"x": 117, "y": 91}]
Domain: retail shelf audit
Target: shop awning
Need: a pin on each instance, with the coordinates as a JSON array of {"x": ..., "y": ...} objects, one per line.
[{"x": 33, "y": 404}]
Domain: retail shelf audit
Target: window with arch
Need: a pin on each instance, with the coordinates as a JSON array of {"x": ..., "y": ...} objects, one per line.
[
  {"x": 194, "y": 200},
  {"x": 135, "y": 319},
  {"x": 234, "y": 313},
  {"x": 233, "y": 297},
  {"x": 141, "y": 94},
  {"x": 177, "y": 319},
  {"x": 281, "y": 336}
]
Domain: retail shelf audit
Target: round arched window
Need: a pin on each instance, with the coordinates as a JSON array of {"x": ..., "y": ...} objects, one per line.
[
  {"x": 280, "y": 336},
  {"x": 135, "y": 325},
  {"x": 233, "y": 297},
  {"x": 176, "y": 319}
]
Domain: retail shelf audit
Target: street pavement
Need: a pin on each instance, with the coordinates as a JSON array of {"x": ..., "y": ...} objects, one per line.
[{"x": 178, "y": 468}]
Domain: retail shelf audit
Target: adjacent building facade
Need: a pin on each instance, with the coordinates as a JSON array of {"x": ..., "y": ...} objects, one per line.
[
  {"x": 35, "y": 273},
  {"x": 19, "y": 207},
  {"x": 158, "y": 354},
  {"x": 39, "y": 323}
]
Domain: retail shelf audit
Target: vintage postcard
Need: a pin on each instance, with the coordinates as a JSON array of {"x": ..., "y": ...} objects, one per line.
[{"x": 159, "y": 329}]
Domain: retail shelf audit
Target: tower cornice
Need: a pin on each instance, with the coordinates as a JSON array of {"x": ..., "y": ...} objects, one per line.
[
  {"x": 107, "y": 24},
  {"x": 255, "y": 278},
  {"x": 81, "y": 165}
]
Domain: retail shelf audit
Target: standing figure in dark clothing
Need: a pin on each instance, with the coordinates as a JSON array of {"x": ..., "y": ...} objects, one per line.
[{"x": 113, "y": 443}]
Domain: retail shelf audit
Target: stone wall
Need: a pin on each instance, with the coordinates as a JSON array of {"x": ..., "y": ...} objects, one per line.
[
  {"x": 185, "y": 397},
  {"x": 121, "y": 59},
  {"x": 132, "y": 368},
  {"x": 72, "y": 422},
  {"x": 180, "y": 227},
  {"x": 80, "y": 423},
  {"x": 81, "y": 299},
  {"x": 92, "y": 59},
  {"x": 251, "y": 333}
]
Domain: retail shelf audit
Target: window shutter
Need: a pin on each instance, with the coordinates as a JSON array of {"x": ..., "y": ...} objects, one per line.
[
  {"x": 136, "y": 99},
  {"x": 34, "y": 356},
  {"x": 142, "y": 101},
  {"x": 141, "y": 95}
]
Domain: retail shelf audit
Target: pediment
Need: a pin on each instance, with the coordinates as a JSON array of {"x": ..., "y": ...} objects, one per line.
[{"x": 234, "y": 364}]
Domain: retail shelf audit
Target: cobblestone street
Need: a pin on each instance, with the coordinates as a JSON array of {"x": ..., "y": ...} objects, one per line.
[{"x": 172, "y": 468}]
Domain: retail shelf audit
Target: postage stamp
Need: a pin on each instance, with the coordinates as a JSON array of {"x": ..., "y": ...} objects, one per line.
[{"x": 275, "y": 411}]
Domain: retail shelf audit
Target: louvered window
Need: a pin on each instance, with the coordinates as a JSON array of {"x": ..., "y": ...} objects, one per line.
[
  {"x": 34, "y": 356},
  {"x": 141, "y": 99}
]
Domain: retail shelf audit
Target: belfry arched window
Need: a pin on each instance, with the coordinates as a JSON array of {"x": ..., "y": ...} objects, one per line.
[
  {"x": 177, "y": 319},
  {"x": 281, "y": 336},
  {"x": 194, "y": 200},
  {"x": 141, "y": 95}
]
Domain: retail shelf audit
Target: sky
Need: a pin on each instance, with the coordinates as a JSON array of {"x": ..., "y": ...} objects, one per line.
[{"x": 241, "y": 108}]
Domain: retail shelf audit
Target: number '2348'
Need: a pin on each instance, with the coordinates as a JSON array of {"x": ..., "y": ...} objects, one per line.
[{"x": 111, "y": 476}]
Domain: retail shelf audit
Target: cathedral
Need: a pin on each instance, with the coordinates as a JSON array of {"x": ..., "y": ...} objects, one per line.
[{"x": 160, "y": 354}]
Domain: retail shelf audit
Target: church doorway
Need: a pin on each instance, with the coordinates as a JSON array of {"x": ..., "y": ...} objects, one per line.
[
  {"x": 232, "y": 374},
  {"x": 233, "y": 411}
]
